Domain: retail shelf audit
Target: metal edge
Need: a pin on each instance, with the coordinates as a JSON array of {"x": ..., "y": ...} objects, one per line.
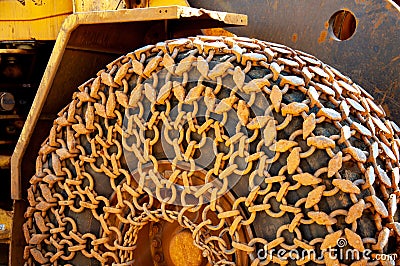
[
  {"x": 96, "y": 17},
  {"x": 37, "y": 105}
]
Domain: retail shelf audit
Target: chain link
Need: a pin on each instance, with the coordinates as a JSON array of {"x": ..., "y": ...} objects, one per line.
[{"x": 110, "y": 135}]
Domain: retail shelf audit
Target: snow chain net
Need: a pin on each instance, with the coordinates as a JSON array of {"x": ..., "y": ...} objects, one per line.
[{"x": 318, "y": 152}]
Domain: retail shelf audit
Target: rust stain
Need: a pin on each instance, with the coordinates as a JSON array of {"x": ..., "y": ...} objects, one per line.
[
  {"x": 275, "y": 6},
  {"x": 389, "y": 6},
  {"x": 322, "y": 36},
  {"x": 395, "y": 59},
  {"x": 379, "y": 22},
  {"x": 386, "y": 108},
  {"x": 294, "y": 37},
  {"x": 218, "y": 32},
  {"x": 326, "y": 24}
]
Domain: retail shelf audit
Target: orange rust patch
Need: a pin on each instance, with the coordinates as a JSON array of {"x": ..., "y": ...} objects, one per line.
[
  {"x": 386, "y": 108},
  {"x": 389, "y": 6},
  {"x": 183, "y": 252},
  {"x": 218, "y": 32},
  {"x": 294, "y": 37},
  {"x": 379, "y": 22},
  {"x": 395, "y": 59},
  {"x": 322, "y": 36},
  {"x": 275, "y": 6}
]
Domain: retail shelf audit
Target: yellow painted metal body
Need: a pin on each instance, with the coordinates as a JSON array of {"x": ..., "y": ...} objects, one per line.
[
  {"x": 153, "y": 3},
  {"x": 39, "y": 20},
  {"x": 42, "y": 19},
  {"x": 97, "y": 5},
  {"x": 5, "y": 226}
]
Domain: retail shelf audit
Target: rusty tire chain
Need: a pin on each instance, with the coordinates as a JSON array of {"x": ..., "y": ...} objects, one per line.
[{"x": 315, "y": 113}]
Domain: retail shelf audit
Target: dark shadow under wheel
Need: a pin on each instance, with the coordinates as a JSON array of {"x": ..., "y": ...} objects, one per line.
[{"x": 216, "y": 151}]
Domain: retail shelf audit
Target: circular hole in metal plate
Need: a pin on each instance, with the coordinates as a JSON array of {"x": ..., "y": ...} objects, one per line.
[{"x": 342, "y": 25}]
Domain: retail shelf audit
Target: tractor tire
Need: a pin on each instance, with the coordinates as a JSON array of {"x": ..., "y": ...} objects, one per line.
[{"x": 216, "y": 151}]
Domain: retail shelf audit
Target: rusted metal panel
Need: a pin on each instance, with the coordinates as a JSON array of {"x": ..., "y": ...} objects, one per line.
[
  {"x": 18, "y": 239},
  {"x": 371, "y": 57}
]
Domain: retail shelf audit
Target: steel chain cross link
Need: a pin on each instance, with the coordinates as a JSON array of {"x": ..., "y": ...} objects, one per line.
[{"x": 220, "y": 137}]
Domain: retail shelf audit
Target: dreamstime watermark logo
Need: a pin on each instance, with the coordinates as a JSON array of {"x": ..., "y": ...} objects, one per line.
[
  {"x": 340, "y": 252},
  {"x": 185, "y": 141}
]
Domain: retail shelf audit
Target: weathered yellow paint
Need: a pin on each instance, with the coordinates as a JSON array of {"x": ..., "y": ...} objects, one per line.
[
  {"x": 42, "y": 20},
  {"x": 39, "y": 20},
  {"x": 168, "y": 3},
  {"x": 96, "y": 5},
  {"x": 5, "y": 225},
  {"x": 4, "y": 161}
]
